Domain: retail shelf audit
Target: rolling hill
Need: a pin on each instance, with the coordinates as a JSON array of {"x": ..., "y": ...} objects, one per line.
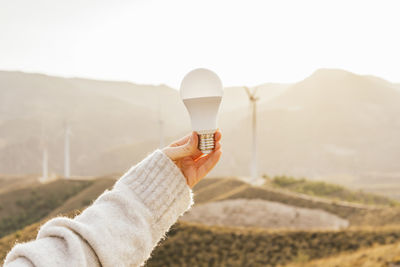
[
  {"x": 101, "y": 115},
  {"x": 24, "y": 206},
  {"x": 332, "y": 123},
  {"x": 195, "y": 244},
  {"x": 117, "y": 120},
  {"x": 378, "y": 256},
  {"x": 231, "y": 189}
]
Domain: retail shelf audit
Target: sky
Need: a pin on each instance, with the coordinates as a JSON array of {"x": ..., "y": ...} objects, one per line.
[{"x": 245, "y": 42}]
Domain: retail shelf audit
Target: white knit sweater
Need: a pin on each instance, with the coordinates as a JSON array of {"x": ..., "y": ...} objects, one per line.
[{"x": 120, "y": 228}]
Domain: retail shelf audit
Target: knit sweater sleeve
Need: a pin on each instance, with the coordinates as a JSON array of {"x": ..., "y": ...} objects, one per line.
[{"x": 120, "y": 228}]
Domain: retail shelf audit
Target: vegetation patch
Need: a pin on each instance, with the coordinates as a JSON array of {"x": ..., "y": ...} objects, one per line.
[
  {"x": 377, "y": 256},
  {"x": 331, "y": 191},
  {"x": 196, "y": 245},
  {"x": 29, "y": 205}
]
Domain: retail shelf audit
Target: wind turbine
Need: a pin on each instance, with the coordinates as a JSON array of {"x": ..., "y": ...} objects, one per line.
[
  {"x": 45, "y": 165},
  {"x": 45, "y": 159},
  {"x": 253, "y": 101},
  {"x": 67, "y": 170}
]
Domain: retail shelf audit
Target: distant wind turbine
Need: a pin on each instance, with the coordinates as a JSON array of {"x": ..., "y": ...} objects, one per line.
[
  {"x": 253, "y": 101},
  {"x": 45, "y": 165},
  {"x": 45, "y": 159},
  {"x": 67, "y": 170}
]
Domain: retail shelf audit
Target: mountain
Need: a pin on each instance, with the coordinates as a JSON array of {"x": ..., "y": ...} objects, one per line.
[
  {"x": 331, "y": 123},
  {"x": 113, "y": 124},
  {"x": 101, "y": 115}
]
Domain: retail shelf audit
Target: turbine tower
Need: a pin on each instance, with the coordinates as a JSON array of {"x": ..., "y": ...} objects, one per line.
[
  {"x": 253, "y": 102},
  {"x": 45, "y": 165},
  {"x": 45, "y": 156},
  {"x": 67, "y": 170}
]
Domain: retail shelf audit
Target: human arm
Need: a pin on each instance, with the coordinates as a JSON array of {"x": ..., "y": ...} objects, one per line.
[{"x": 123, "y": 225}]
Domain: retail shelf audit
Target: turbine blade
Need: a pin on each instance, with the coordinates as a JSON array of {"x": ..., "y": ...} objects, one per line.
[{"x": 248, "y": 91}]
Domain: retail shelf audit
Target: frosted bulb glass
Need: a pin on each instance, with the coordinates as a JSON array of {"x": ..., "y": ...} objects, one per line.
[{"x": 201, "y": 92}]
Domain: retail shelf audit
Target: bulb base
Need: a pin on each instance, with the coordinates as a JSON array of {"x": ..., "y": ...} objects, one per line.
[{"x": 206, "y": 142}]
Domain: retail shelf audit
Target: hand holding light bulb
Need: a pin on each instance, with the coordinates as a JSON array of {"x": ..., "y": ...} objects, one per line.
[
  {"x": 201, "y": 92},
  {"x": 190, "y": 160}
]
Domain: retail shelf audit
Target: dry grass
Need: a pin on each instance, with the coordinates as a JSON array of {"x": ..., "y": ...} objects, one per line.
[
  {"x": 196, "y": 245},
  {"x": 377, "y": 256},
  {"x": 30, "y": 204},
  {"x": 11, "y": 183},
  {"x": 85, "y": 197}
]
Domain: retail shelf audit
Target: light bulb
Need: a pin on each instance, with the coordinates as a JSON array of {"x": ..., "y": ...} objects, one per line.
[{"x": 201, "y": 92}]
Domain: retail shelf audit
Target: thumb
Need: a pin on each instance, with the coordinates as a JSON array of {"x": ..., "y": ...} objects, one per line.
[{"x": 187, "y": 149}]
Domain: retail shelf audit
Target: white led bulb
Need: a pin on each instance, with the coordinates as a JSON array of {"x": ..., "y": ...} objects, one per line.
[{"x": 201, "y": 92}]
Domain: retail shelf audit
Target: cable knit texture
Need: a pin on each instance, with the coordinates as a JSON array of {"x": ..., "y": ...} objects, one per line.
[{"x": 120, "y": 228}]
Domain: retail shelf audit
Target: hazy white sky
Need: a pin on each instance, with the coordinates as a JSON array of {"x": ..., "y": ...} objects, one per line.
[{"x": 246, "y": 42}]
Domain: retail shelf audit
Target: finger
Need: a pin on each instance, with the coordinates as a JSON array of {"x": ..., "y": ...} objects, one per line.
[
  {"x": 181, "y": 141},
  {"x": 217, "y": 136},
  {"x": 217, "y": 146},
  {"x": 196, "y": 157},
  {"x": 197, "y": 154},
  {"x": 187, "y": 149},
  {"x": 207, "y": 163}
]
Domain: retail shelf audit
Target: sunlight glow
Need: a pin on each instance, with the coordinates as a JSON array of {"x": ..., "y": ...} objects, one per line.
[{"x": 246, "y": 42}]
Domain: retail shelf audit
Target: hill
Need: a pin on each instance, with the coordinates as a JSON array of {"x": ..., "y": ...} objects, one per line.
[
  {"x": 378, "y": 256},
  {"x": 109, "y": 120},
  {"x": 197, "y": 245},
  {"x": 331, "y": 124},
  {"x": 13, "y": 182},
  {"x": 22, "y": 207},
  {"x": 264, "y": 214},
  {"x": 358, "y": 214},
  {"x": 101, "y": 115},
  {"x": 85, "y": 197},
  {"x": 328, "y": 190}
]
